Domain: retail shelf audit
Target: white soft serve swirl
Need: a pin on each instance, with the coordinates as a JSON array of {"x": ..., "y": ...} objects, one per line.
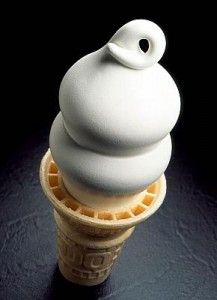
[{"x": 118, "y": 106}]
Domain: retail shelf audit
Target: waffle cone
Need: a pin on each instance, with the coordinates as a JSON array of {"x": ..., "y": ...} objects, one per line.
[{"x": 90, "y": 240}]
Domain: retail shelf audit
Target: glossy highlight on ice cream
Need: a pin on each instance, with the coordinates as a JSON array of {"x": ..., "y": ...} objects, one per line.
[{"x": 118, "y": 106}]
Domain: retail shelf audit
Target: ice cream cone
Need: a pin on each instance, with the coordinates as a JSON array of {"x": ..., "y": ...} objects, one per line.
[
  {"x": 90, "y": 239},
  {"x": 110, "y": 145}
]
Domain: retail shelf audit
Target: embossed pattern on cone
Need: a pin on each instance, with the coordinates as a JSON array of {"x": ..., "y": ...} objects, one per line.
[{"x": 83, "y": 262}]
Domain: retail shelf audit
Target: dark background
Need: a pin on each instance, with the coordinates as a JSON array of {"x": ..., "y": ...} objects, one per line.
[{"x": 40, "y": 45}]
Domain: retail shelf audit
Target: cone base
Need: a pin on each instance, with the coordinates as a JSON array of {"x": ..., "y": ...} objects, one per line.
[
  {"x": 84, "y": 259},
  {"x": 76, "y": 280}
]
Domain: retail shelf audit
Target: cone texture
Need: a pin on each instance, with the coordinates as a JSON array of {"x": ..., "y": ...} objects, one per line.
[{"x": 90, "y": 240}]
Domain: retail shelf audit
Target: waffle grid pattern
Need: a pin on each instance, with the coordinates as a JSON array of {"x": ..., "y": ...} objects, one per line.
[{"x": 57, "y": 188}]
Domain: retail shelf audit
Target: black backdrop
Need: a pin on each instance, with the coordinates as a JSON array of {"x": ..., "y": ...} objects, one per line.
[{"x": 40, "y": 44}]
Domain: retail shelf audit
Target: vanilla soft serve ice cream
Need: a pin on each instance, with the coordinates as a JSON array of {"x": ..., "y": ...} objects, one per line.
[{"x": 118, "y": 106}]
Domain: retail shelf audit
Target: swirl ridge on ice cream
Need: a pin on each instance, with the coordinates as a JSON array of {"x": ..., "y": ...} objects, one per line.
[{"x": 118, "y": 106}]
